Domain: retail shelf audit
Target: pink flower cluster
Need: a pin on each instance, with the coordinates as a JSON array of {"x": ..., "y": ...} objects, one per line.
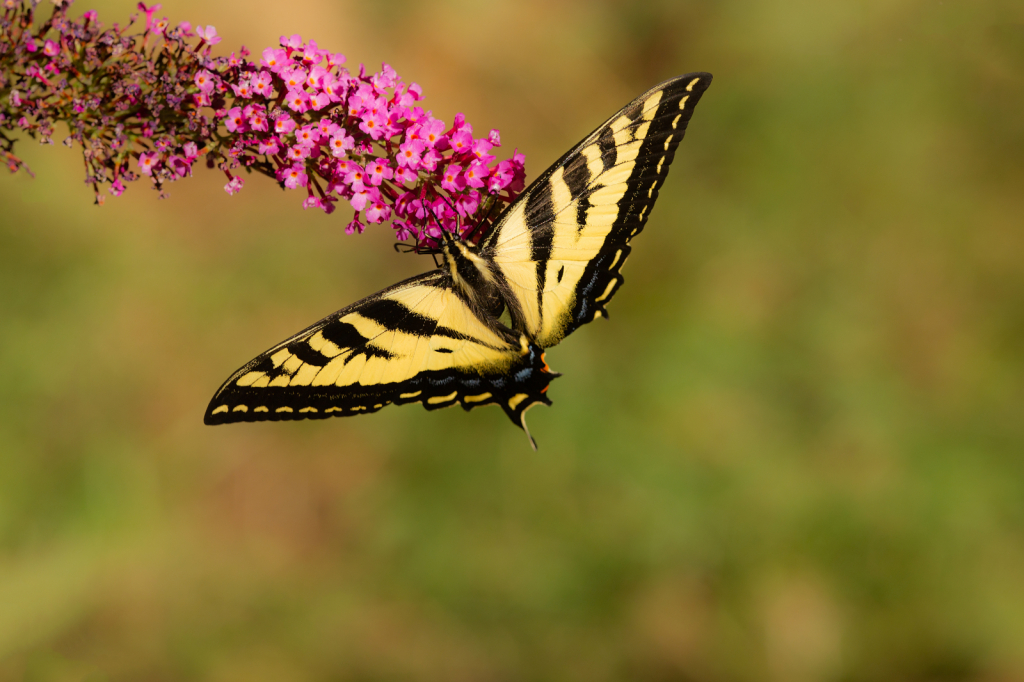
[
  {"x": 298, "y": 115},
  {"x": 362, "y": 139}
]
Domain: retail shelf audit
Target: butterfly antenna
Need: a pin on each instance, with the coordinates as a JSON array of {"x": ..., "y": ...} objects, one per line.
[
  {"x": 445, "y": 235},
  {"x": 458, "y": 218},
  {"x": 448, "y": 201},
  {"x": 483, "y": 221},
  {"x": 489, "y": 210}
]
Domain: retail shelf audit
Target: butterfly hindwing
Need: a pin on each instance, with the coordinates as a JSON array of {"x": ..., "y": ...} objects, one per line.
[
  {"x": 417, "y": 341},
  {"x": 560, "y": 247}
]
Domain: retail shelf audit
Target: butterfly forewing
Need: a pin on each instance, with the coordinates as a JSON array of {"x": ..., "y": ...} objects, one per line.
[
  {"x": 561, "y": 246},
  {"x": 417, "y": 341}
]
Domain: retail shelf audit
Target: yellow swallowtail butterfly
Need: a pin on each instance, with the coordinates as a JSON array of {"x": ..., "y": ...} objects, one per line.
[{"x": 551, "y": 262}]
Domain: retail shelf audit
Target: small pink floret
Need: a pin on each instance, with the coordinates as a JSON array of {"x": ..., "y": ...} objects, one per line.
[
  {"x": 311, "y": 55},
  {"x": 378, "y": 212},
  {"x": 355, "y": 226},
  {"x": 147, "y": 163},
  {"x": 149, "y": 13},
  {"x": 409, "y": 154},
  {"x": 258, "y": 122},
  {"x": 316, "y": 76},
  {"x": 274, "y": 59},
  {"x": 462, "y": 141},
  {"x": 468, "y": 204},
  {"x": 453, "y": 180},
  {"x": 404, "y": 175},
  {"x": 340, "y": 144},
  {"x": 481, "y": 149},
  {"x": 333, "y": 88},
  {"x": 295, "y": 177},
  {"x": 361, "y": 198},
  {"x": 308, "y": 135},
  {"x": 327, "y": 127},
  {"x": 180, "y": 167},
  {"x": 297, "y": 100},
  {"x": 378, "y": 171},
  {"x": 208, "y": 34},
  {"x": 294, "y": 78},
  {"x": 263, "y": 84},
  {"x": 234, "y": 185},
  {"x": 402, "y": 230},
  {"x": 243, "y": 90},
  {"x": 432, "y": 131},
  {"x": 319, "y": 100},
  {"x": 205, "y": 81},
  {"x": 461, "y": 123},
  {"x": 430, "y": 159},
  {"x": 373, "y": 126},
  {"x": 354, "y": 178},
  {"x": 235, "y": 121},
  {"x": 284, "y": 124},
  {"x": 270, "y": 146}
]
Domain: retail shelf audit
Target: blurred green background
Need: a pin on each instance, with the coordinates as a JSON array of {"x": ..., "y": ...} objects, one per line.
[{"x": 795, "y": 452}]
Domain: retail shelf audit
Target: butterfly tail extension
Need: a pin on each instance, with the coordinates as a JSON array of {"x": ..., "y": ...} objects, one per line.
[{"x": 526, "y": 387}]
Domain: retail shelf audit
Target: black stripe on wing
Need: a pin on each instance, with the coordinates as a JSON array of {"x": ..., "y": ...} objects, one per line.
[{"x": 540, "y": 217}]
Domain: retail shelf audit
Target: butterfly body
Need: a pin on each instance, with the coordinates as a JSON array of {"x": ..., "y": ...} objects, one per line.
[
  {"x": 475, "y": 275},
  {"x": 551, "y": 261}
]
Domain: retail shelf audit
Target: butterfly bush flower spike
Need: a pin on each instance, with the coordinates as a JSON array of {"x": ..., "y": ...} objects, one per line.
[{"x": 149, "y": 98}]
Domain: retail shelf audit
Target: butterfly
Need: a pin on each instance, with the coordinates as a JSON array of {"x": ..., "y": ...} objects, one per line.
[{"x": 473, "y": 331}]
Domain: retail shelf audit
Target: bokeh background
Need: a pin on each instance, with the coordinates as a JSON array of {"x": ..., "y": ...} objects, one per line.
[{"x": 794, "y": 453}]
